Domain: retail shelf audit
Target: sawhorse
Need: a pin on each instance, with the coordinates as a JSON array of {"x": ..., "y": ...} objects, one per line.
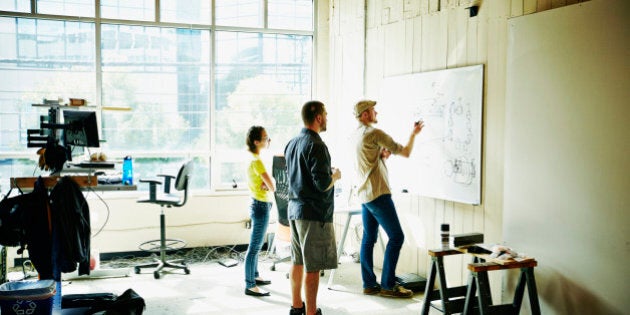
[
  {"x": 453, "y": 299},
  {"x": 479, "y": 279}
]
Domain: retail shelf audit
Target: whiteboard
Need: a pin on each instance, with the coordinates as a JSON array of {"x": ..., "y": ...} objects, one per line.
[{"x": 446, "y": 159}]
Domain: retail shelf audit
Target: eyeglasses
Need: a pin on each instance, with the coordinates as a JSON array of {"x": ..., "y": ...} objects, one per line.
[{"x": 266, "y": 139}]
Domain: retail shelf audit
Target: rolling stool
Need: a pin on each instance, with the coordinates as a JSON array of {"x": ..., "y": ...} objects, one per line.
[{"x": 166, "y": 199}]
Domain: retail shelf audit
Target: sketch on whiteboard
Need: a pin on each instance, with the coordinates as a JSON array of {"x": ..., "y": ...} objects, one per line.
[
  {"x": 446, "y": 162},
  {"x": 460, "y": 170}
]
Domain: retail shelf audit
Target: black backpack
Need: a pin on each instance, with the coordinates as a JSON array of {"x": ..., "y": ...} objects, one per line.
[
  {"x": 18, "y": 213},
  {"x": 128, "y": 303},
  {"x": 12, "y": 211}
]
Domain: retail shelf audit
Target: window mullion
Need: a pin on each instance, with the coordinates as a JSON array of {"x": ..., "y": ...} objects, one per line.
[
  {"x": 265, "y": 13},
  {"x": 98, "y": 57}
]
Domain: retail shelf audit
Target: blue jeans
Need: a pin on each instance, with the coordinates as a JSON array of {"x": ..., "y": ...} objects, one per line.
[
  {"x": 259, "y": 213},
  {"x": 380, "y": 211}
]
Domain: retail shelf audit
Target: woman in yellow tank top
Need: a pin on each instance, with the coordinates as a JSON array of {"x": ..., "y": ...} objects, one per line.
[{"x": 260, "y": 184}]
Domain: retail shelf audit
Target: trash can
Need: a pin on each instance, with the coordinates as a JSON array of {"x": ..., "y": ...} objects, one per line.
[{"x": 27, "y": 297}]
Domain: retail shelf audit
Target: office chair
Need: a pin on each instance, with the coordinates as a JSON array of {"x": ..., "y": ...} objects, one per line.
[
  {"x": 166, "y": 199},
  {"x": 281, "y": 195}
]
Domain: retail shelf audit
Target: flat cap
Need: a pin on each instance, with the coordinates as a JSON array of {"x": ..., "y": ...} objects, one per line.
[{"x": 362, "y": 106}]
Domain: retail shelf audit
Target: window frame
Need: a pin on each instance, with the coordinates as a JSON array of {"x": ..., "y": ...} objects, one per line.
[{"x": 210, "y": 154}]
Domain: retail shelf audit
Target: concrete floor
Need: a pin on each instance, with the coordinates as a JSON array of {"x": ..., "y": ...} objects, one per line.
[{"x": 211, "y": 288}]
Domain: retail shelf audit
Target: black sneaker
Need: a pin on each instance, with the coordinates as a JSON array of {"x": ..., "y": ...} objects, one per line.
[{"x": 298, "y": 311}]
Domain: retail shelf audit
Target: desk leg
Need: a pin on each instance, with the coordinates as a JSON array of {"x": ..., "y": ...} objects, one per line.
[
  {"x": 343, "y": 237},
  {"x": 340, "y": 249},
  {"x": 428, "y": 291}
]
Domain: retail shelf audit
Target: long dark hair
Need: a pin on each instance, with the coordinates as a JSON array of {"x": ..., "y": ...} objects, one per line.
[{"x": 253, "y": 134}]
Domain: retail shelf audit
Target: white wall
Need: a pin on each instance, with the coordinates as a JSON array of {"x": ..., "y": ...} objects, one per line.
[
  {"x": 422, "y": 35},
  {"x": 205, "y": 220},
  {"x": 403, "y": 37},
  {"x": 567, "y": 161},
  {"x": 120, "y": 224}
]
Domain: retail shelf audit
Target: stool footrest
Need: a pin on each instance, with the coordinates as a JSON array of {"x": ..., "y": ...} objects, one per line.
[{"x": 155, "y": 246}]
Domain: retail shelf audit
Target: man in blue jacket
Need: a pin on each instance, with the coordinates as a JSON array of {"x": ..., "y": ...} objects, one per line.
[{"x": 311, "y": 208}]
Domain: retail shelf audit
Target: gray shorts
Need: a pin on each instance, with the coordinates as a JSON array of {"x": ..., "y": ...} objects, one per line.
[{"x": 313, "y": 245}]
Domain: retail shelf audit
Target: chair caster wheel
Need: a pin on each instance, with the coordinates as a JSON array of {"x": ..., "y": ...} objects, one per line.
[
  {"x": 136, "y": 270},
  {"x": 273, "y": 268},
  {"x": 156, "y": 275},
  {"x": 187, "y": 271}
]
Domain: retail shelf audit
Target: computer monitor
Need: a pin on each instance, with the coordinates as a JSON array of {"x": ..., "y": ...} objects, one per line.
[{"x": 80, "y": 129}]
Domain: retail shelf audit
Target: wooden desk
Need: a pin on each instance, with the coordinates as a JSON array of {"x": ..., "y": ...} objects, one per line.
[
  {"x": 27, "y": 183},
  {"x": 84, "y": 181}
]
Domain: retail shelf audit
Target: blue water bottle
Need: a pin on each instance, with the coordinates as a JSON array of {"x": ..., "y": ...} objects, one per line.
[{"x": 127, "y": 171}]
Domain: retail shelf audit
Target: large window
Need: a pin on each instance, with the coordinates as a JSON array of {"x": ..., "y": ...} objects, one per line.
[
  {"x": 261, "y": 79},
  {"x": 166, "y": 86}
]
